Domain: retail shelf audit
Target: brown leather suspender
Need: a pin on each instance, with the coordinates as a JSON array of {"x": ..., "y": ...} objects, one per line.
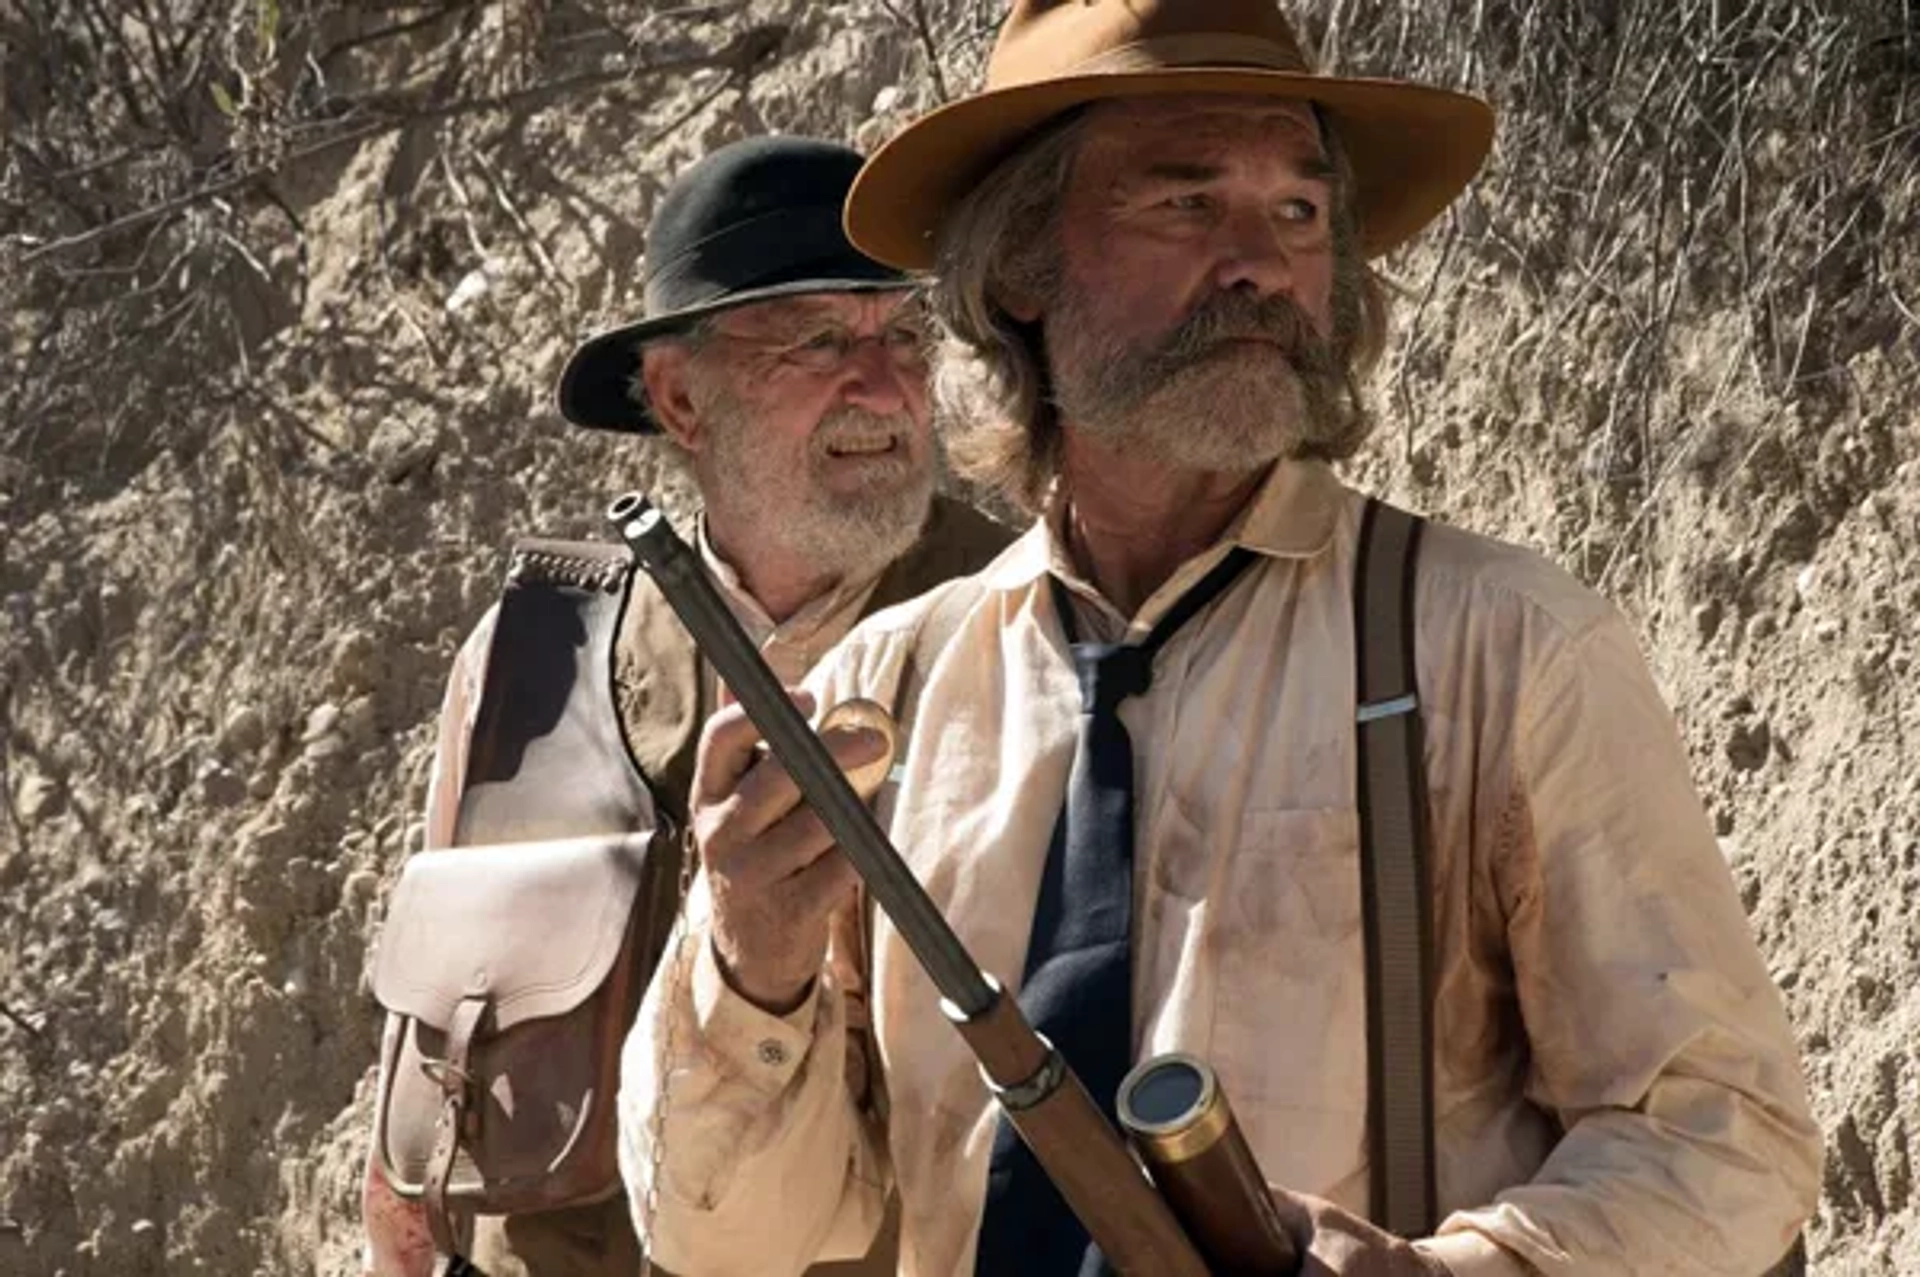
[{"x": 1394, "y": 856}]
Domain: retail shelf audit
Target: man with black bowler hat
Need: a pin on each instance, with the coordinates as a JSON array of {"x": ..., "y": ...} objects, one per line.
[
  {"x": 1143, "y": 782},
  {"x": 788, "y": 371}
]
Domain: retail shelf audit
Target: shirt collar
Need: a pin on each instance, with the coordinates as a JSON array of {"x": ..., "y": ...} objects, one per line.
[
  {"x": 813, "y": 617},
  {"x": 1292, "y": 515}
]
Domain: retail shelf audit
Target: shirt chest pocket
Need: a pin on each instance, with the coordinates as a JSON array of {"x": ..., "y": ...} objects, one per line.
[{"x": 1289, "y": 990}]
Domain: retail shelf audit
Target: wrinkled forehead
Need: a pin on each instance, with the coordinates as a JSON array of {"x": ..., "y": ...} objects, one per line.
[{"x": 1128, "y": 139}]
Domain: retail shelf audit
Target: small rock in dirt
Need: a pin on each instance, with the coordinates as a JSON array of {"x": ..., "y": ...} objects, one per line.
[
  {"x": 323, "y": 747},
  {"x": 474, "y": 285},
  {"x": 39, "y": 798},
  {"x": 357, "y": 721},
  {"x": 243, "y": 732},
  {"x": 401, "y": 452},
  {"x": 321, "y": 722}
]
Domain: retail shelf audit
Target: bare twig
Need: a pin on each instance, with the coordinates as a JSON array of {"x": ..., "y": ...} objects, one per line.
[
  {"x": 467, "y": 219},
  {"x": 33, "y": 1030},
  {"x": 392, "y": 30},
  {"x": 921, "y": 27},
  {"x": 528, "y": 238}
]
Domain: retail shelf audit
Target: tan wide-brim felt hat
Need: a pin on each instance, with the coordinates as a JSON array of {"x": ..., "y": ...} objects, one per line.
[{"x": 1413, "y": 147}]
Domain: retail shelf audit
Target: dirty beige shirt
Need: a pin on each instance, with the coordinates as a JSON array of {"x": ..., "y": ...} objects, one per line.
[
  {"x": 790, "y": 648},
  {"x": 1617, "y": 1089}
]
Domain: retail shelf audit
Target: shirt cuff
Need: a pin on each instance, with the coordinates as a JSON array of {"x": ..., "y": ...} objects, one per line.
[
  {"x": 762, "y": 1049},
  {"x": 1470, "y": 1254}
]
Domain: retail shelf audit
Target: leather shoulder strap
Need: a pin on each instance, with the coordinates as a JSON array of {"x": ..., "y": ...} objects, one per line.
[
  {"x": 541, "y": 763},
  {"x": 659, "y": 693},
  {"x": 1395, "y": 852}
]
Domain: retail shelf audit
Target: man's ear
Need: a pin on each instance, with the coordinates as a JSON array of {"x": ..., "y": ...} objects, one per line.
[
  {"x": 664, "y": 370},
  {"x": 1016, "y": 302}
]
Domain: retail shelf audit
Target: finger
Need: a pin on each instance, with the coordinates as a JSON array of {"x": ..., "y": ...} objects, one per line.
[
  {"x": 767, "y": 792},
  {"x": 756, "y": 863},
  {"x": 726, "y": 750},
  {"x": 1297, "y": 1215},
  {"x": 823, "y": 886}
]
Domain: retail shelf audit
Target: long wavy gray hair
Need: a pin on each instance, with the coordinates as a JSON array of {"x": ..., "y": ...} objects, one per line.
[{"x": 991, "y": 388}]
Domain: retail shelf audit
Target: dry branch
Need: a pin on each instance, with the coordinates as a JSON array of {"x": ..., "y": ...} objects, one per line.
[
  {"x": 921, "y": 26},
  {"x": 32, "y": 1030}
]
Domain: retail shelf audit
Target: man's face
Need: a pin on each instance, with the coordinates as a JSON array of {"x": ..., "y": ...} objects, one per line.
[
  {"x": 1195, "y": 302},
  {"x": 809, "y": 423}
]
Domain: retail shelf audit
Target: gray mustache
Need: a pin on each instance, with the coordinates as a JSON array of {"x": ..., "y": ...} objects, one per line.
[{"x": 1228, "y": 317}]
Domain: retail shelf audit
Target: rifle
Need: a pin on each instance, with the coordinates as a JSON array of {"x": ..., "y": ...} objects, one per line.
[{"x": 1132, "y": 1223}]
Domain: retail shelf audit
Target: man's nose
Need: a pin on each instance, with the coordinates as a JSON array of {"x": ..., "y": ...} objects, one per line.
[
  {"x": 1252, "y": 255},
  {"x": 871, "y": 378}
]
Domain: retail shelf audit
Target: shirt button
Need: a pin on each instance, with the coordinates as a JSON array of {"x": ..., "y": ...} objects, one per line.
[{"x": 772, "y": 1053}]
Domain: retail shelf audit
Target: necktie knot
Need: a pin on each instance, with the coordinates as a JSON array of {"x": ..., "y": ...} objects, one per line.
[{"x": 1111, "y": 672}]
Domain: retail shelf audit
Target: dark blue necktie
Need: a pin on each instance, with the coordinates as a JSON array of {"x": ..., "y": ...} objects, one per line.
[{"x": 1078, "y": 986}]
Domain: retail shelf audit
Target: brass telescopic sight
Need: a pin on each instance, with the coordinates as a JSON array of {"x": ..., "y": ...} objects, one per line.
[{"x": 1177, "y": 1118}]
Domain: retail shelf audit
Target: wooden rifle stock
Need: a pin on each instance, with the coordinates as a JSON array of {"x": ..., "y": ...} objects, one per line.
[
  {"x": 1178, "y": 1120},
  {"x": 1046, "y": 1103}
]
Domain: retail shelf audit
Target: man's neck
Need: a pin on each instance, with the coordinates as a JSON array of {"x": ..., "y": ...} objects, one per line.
[
  {"x": 780, "y": 581},
  {"x": 1132, "y": 523}
]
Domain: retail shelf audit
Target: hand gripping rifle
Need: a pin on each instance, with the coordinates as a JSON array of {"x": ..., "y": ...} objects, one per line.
[{"x": 1172, "y": 1104}]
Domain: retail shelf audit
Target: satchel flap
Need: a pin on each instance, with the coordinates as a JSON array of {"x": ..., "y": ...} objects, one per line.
[{"x": 533, "y": 927}]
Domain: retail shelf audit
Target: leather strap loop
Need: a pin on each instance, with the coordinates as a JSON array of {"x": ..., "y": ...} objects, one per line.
[{"x": 455, "y": 1113}]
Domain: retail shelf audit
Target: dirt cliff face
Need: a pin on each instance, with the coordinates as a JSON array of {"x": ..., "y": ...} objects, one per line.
[{"x": 264, "y": 448}]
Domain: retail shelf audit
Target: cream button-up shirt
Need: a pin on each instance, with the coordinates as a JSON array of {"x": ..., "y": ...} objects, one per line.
[{"x": 1617, "y": 1089}]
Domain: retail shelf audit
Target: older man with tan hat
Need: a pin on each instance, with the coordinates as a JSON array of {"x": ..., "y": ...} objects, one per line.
[{"x": 1385, "y": 821}]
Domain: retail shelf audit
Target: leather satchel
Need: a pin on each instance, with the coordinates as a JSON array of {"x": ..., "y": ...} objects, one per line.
[{"x": 513, "y": 973}]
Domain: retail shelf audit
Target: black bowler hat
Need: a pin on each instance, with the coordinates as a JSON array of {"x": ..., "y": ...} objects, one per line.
[{"x": 754, "y": 220}]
